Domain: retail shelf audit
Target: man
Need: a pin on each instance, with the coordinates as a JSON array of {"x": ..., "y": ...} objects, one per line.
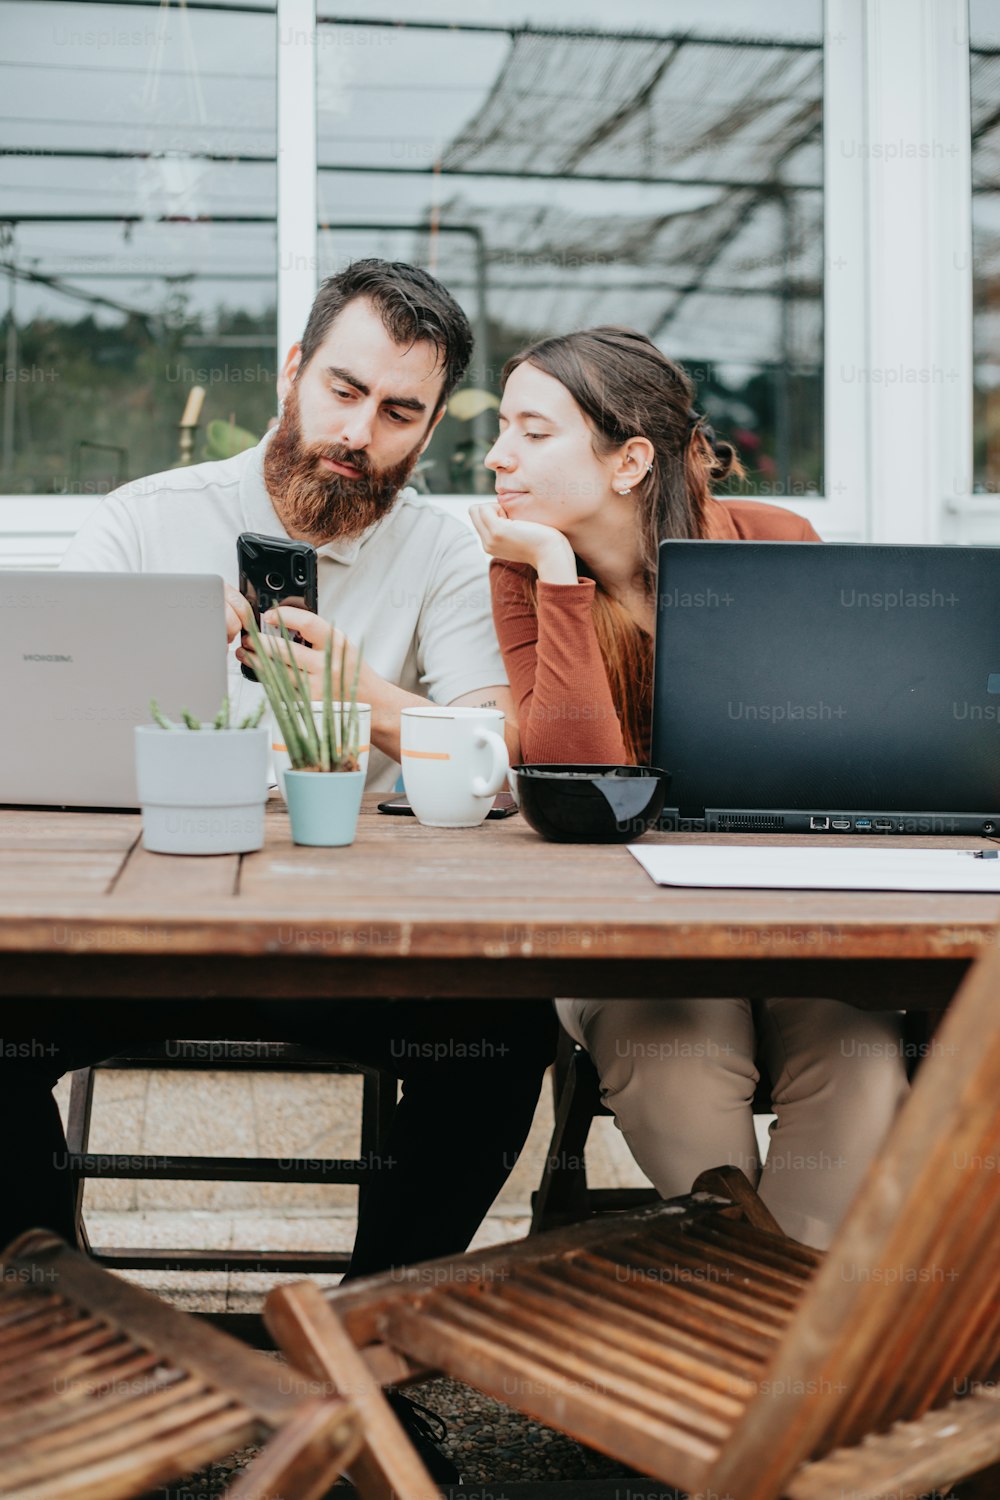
[{"x": 384, "y": 346}]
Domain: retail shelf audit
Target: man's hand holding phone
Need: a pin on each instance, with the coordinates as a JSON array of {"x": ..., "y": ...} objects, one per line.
[
  {"x": 238, "y": 613},
  {"x": 314, "y": 632},
  {"x": 273, "y": 571}
]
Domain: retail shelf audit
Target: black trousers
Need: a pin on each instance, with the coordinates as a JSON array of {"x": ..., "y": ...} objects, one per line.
[{"x": 471, "y": 1074}]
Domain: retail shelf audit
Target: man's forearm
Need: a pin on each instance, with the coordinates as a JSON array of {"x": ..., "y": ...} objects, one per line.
[
  {"x": 387, "y": 704},
  {"x": 388, "y": 701}
]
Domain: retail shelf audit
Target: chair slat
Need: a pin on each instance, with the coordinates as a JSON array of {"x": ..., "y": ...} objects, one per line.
[
  {"x": 46, "y": 1389},
  {"x": 65, "y": 1360},
  {"x": 609, "y": 1346},
  {"x": 796, "y": 1262},
  {"x": 201, "y": 1349},
  {"x": 40, "y": 1460},
  {"x": 913, "y": 1458},
  {"x": 931, "y": 1368},
  {"x": 687, "y": 1358},
  {"x": 107, "y": 1393},
  {"x": 535, "y": 1343},
  {"x": 118, "y": 1477},
  {"x": 614, "y": 1426},
  {"x": 669, "y": 1311},
  {"x": 702, "y": 1251},
  {"x": 739, "y": 1313},
  {"x": 958, "y": 1268},
  {"x": 50, "y": 1420},
  {"x": 17, "y": 1320},
  {"x": 62, "y": 1333}
]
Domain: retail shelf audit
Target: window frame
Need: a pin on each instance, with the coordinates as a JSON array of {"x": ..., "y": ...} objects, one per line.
[{"x": 898, "y": 457}]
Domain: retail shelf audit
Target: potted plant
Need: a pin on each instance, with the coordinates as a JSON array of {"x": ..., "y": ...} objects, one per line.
[
  {"x": 324, "y": 783},
  {"x": 202, "y": 787}
]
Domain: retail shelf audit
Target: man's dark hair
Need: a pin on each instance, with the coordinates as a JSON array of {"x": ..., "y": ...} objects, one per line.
[{"x": 413, "y": 307}]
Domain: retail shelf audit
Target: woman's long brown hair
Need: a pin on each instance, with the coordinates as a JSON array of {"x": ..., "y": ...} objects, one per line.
[{"x": 627, "y": 388}]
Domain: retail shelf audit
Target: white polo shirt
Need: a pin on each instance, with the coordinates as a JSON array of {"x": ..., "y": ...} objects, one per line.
[{"x": 414, "y": 588}]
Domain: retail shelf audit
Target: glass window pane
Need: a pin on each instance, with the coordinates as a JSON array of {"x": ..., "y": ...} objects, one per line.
[
  {"x": 138, "y": 238},
  {"x": 558, "y": 168},
  {"x": 984, "y": 46}
]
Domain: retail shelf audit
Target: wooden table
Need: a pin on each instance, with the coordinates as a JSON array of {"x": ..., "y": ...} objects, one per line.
[{"x": 413, "y": 911}]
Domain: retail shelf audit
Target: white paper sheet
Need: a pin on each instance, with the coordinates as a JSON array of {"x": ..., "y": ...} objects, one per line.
[{"x": 751, "y": 867}]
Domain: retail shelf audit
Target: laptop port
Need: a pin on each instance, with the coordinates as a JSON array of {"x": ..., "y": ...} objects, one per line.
[
  {"x": 819, "y": 823},
  {"x": 883, "y": 825},
  {"x": 862, "y": 824},
  {"x": 842, "y": 825}
]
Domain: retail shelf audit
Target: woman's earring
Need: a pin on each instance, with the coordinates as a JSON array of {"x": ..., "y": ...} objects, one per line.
[{"x": 626, "y": 491}]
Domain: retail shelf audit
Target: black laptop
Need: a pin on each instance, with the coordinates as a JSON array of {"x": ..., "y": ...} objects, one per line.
[{"x": 828, "y": 688}]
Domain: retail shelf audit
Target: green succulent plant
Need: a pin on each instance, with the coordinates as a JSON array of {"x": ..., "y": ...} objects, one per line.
[
  {"x": 222, "y": 719},
  {"x": 311, "y": 746}
]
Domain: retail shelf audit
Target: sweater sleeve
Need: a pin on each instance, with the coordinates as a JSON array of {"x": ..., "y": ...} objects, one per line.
[{"x": 565, "y": 710}]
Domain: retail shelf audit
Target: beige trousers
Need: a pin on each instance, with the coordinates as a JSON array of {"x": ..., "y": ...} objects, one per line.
[{"x": 680, "y": 1077}]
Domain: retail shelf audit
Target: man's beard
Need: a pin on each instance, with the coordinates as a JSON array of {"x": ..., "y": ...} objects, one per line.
[{"x": 312, "y": 502}]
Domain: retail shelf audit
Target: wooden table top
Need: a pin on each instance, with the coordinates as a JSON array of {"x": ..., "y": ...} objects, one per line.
[{"x": 80, "y": 883}]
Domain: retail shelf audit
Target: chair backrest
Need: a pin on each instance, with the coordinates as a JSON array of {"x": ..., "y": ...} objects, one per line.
[{"x": 904, "y": 1313}]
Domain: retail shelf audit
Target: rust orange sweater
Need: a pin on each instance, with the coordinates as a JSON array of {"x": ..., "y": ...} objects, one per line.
[{"x": 565, "y": 710}]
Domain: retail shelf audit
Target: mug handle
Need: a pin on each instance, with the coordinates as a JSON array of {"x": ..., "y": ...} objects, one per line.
[{"x": 483, "y": 786}]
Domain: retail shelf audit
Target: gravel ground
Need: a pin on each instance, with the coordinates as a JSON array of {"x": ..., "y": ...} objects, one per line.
[{"x": 488, "y": 1442}]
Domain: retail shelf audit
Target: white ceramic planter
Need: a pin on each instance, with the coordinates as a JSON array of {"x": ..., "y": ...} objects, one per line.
[{"x": 202, "y": 791}]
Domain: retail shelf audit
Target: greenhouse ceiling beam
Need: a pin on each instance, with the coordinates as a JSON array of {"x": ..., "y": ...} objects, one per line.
[
  {"x": 56, "y": 284},
  {"x": 225, "y": 158},
  {"x": 570, "y": 33},
  {"x": 80, "y": 154},
  {"x": 225, "y": 5},
  {"x": 137, "y": 219},
  {"x": 731, "y": 183}
]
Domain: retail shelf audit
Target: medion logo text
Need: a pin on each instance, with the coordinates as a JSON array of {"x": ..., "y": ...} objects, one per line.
[{"x": 36, "y": 656}]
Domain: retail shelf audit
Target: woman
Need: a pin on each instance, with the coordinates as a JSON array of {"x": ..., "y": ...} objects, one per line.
[{"x": 600, "y": 456}]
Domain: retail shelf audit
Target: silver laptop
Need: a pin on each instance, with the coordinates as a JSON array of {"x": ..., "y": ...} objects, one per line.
[{"x": 81, "y": 654}]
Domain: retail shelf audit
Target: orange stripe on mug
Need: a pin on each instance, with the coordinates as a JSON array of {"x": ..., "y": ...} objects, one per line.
[{"x": 425, "y": 755}]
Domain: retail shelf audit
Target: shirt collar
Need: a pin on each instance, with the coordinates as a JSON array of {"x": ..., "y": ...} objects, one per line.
[{"x": 261, "y": 516}]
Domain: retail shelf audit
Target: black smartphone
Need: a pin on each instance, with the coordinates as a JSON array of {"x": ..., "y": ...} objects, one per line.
[
  {"x": 275, "y": 570},
  {"x": 504, "y": 806}
]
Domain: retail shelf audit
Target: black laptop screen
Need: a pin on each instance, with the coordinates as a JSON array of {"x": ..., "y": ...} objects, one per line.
[{"x": 793, "y": 675}]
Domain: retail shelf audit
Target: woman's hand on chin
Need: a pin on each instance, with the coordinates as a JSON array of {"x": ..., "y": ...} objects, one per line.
[{"x": 542, "y": 547}]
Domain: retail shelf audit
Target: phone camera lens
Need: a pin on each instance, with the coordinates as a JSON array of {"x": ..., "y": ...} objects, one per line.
[
  {"x": 275, "y": 582},
  {"x": 299, "y": 573}
]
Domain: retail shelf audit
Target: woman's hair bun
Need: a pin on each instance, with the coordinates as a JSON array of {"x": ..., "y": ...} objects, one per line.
[{"x": 725, "y": 460}]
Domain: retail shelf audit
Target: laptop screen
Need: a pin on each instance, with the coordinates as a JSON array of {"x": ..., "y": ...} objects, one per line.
[{"x": 796, "y": 676}]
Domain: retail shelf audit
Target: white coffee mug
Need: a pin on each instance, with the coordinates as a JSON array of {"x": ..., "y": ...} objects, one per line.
[
  {"x": 279, "y": 751},
  {"x": 454, "y": 763}
]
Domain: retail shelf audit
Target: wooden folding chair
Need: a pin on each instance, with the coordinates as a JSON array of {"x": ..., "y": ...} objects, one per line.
[
  {"x": 106, "y": 1392},
  {"x": 695, "y": 1342}
]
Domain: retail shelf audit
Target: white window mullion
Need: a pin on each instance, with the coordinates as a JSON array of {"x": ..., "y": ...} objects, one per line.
[
  {"x": 917, "y": 150},
  {"x": 296, "y": 168},
  {"x": 843, "y": 513}
]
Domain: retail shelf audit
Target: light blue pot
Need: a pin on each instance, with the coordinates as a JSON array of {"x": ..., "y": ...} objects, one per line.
[{"x": 323, "y": 806}]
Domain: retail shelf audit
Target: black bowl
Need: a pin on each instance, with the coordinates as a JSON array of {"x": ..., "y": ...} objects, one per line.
[{"x": 591, "y": 804}]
